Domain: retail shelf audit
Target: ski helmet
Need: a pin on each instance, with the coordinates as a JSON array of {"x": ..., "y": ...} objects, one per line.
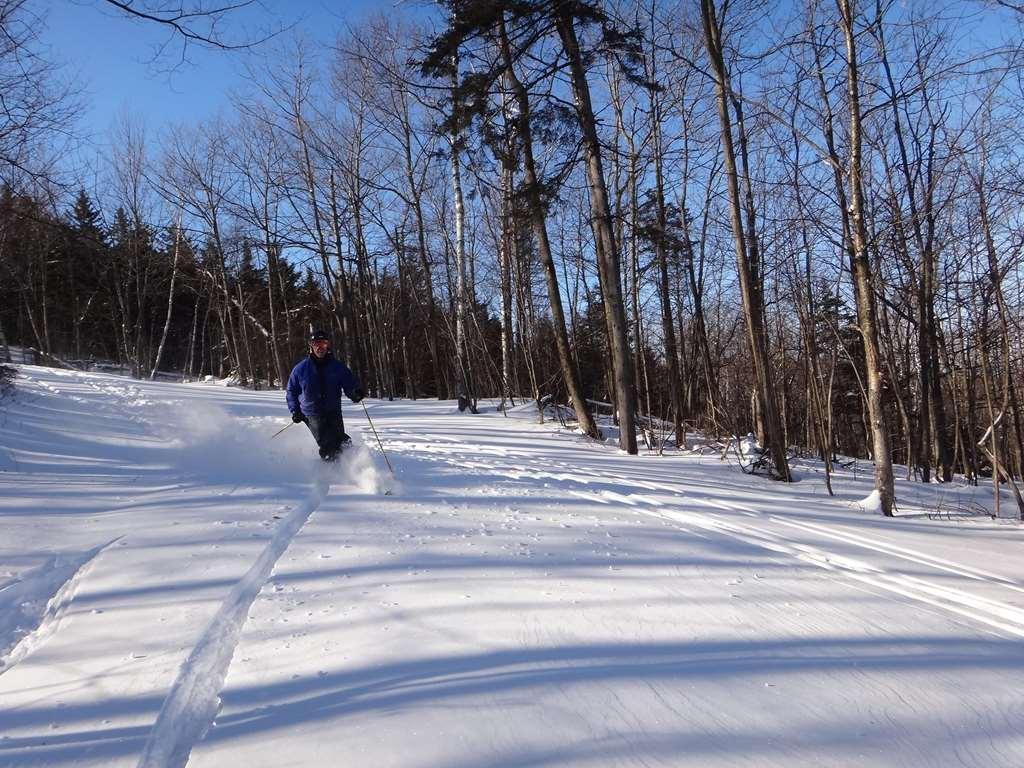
[{"x": 319, "y": 336}]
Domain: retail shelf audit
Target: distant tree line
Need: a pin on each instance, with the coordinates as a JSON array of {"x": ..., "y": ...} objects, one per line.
[{"x": 802, "y": 221}]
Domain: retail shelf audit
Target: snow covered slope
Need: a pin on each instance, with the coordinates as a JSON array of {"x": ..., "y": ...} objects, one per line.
[{"x": 177, "y": 588}]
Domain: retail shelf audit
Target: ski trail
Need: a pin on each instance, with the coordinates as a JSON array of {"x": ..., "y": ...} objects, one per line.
[
  {"x": 194, "y": 698},
  {"x": 905, "y": 553},
  {"x": 32, "y": 607},
  {"x": 1002, "y": 616}
]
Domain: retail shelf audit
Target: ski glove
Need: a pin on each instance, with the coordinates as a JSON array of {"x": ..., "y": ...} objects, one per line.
[
  {"x": 357, "y": 396},
  {"x": 297, "y": 417}
]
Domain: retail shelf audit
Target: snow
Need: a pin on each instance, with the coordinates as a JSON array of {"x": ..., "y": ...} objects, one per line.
[
  {"x": 872, "y": 503},
  {"x": 177, "y": 588}
]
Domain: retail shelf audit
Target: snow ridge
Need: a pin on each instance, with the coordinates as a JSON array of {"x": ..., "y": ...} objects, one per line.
[
  {"x": 194, "y": 698},
  {"x": 32, "y": 607}
]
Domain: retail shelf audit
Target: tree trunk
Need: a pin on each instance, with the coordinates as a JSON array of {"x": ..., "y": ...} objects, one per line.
[
  {"x": 863, "y": 279},
  {"x": 607, "y": 251},
  {"x": 667, "y": 325},
  {"x": 350, "y": 348},
  {"x": 170, "y": 300},
  {"x": 537, "y": 210},
  {"x": 433, "y": 345},
  {"x": 747, "y": 261},
  {"x": 461, "y": 350}
]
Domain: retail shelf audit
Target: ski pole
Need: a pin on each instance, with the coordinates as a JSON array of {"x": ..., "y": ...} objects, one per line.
[
  {"x": 282, "y": 429},
  {"x": 380, "y": 445}
]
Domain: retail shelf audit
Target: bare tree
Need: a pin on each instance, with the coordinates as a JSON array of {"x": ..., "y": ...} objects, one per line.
[
  {"x": 170, "y": 299},
  {"x": 536, "y": 208},
  {"x": 862, "y": 272},
  {"x": 38, "y": 105},
  {"x": 748, "y": 263},
  {"x": 216, "y": 25},
  {"x": 604, "y": 236}
]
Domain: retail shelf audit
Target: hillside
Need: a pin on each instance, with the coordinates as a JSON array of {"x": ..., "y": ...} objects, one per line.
[{"x": 177, "y": 587}]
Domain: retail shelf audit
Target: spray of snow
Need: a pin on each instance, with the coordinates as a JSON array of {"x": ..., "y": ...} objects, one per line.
[
  {"x": 209, "y": 442},
  {"x": 367, "y": 471}
]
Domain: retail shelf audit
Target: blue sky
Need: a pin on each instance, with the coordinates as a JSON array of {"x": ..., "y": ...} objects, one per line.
[{"x": 113, "y": 57}]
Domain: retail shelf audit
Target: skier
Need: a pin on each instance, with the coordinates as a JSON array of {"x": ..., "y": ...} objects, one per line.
[{"x": 314, "y": 395}]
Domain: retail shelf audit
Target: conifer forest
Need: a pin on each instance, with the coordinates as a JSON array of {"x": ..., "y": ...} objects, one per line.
[{"x": 799, "y": 220}]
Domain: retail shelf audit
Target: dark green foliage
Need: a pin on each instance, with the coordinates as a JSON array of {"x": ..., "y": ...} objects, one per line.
[
  {"x": 590, "y": 343},
  {"x": 472, "y": 26},
  {"x": 672, "y": 237},
  {"x": 105, "y": 290}
]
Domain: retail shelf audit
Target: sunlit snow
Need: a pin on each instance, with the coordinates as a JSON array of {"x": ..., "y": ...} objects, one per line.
[{"x": 177, "y": 587}]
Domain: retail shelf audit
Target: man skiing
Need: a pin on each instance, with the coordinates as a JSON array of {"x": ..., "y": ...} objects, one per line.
[{"x": 314, "y": 395}]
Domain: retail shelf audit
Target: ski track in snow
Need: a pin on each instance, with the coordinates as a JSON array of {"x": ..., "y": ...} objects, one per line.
[
  {"x": 903, "y": 553},
  {"x": 32, "y": 607},
  {"x": 993, "y": 613},
  {"x": 194, "y": 698}
]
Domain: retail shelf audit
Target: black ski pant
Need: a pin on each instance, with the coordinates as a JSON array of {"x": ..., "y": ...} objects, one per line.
[{"x": 329, "y": 432}]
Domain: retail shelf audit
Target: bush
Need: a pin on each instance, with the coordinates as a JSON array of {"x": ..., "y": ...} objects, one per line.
[{"x": 7, "y": 374}]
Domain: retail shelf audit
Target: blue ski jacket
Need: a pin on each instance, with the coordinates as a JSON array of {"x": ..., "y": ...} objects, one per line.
[{"x": 315, "y": 387}]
